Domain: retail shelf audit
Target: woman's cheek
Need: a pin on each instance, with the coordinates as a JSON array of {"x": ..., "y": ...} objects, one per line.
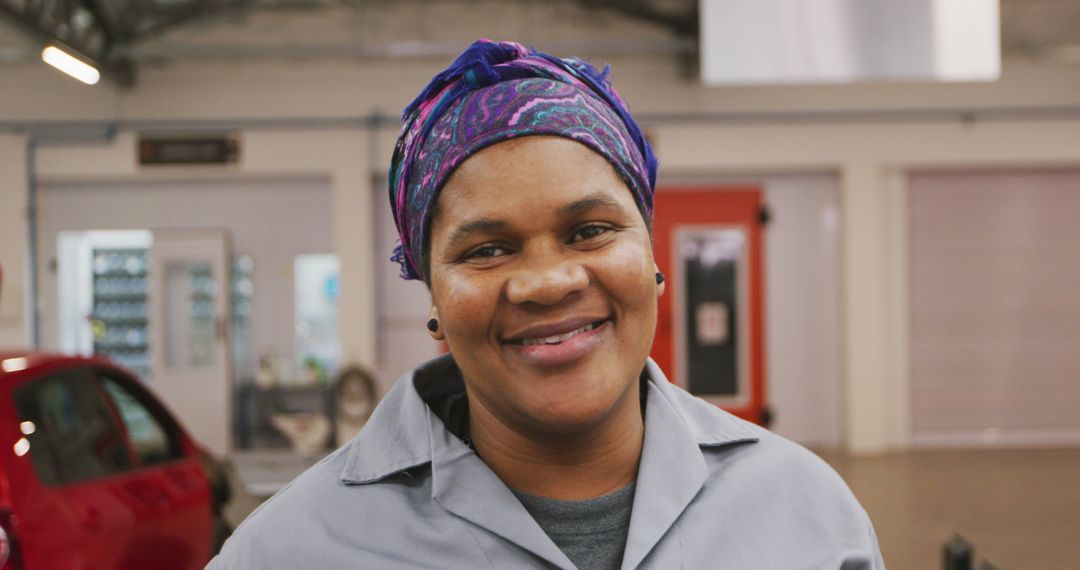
[
  {"x": 628, "y": 265},
  {"x": 465, "y": 301}
]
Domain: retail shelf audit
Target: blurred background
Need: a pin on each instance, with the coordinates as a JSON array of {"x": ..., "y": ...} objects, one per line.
[{"x": 869, "y": 210}]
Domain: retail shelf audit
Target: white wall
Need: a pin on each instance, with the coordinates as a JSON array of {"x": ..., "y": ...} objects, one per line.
[{"x": 802, "y": 279}]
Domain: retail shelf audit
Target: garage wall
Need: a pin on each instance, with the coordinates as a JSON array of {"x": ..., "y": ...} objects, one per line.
[
  {"x": 802, "y": 273},
  {"x": 271, "y": 220},
  {"x": 326, "y": 98},
  {"x": 13, "y": 241},
  {"x": 403, "y": 306},
  {"x": 334, "y": 155}
]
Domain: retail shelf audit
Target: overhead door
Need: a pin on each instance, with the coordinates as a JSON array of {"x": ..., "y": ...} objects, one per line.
[{"x": 995, "y": 301}]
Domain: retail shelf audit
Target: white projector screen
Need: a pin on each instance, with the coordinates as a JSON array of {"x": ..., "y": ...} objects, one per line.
[{"x": 747, "y": 42}]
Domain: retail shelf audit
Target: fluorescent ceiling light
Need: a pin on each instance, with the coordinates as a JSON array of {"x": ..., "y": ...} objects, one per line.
[{"x": 63, "y": 61}]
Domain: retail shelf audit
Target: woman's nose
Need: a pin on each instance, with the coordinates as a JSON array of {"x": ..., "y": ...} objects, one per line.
[{"x": 546, "y": 281}]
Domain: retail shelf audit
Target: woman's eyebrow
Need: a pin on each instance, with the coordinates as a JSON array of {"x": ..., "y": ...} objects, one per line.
[
  {"x": 589, "y": 202},
  {"x": 463, "y": 231}
]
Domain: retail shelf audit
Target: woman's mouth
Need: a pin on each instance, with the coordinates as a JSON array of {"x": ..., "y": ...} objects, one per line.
[
  {"x": 562, "y": 348},
  {"x": 559, "y": 338}
]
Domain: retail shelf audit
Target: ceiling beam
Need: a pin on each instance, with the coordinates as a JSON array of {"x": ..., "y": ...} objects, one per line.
[{"x": 683, "y": 24}]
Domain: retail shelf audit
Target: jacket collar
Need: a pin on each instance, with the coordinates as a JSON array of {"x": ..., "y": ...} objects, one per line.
[
  {"x": 404, "y": 434},
  {"x": 697, "y": 417},
  {"x": 397, "y": 437},
  {"x": 673, "y": 468}
]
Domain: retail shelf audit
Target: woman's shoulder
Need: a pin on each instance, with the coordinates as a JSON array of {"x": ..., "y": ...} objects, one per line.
[
  {"x": 736, "y": 449},
  {"x": 381, "y": 472},
  {"x": 312, "y": 521}
]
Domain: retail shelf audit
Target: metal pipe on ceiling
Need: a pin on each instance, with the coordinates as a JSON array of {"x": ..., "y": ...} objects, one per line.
[
  {"x": 39, "y": 136},
  {"x": 90, "y": 129}
]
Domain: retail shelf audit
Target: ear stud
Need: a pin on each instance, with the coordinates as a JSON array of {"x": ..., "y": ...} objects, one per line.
[
  {"x": 659, "y": 277},
  {"x": 433, "y": 325}
]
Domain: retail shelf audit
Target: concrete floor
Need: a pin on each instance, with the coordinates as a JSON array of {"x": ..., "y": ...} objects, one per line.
[{"x": 1020, "y": 508}]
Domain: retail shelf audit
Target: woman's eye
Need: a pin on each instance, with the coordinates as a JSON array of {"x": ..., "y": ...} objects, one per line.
[
  {"x": 589, "y": 232},
  {"x": 485, "y": 251}
]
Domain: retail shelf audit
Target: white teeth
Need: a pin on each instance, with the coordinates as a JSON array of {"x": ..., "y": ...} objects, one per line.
[{"x": 559, "y": 338}]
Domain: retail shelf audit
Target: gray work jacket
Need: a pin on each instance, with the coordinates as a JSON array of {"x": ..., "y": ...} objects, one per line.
[{"x": 713, "y": 491}]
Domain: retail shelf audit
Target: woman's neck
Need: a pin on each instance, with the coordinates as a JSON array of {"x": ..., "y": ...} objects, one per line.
[{"x": 581, "y": 465}]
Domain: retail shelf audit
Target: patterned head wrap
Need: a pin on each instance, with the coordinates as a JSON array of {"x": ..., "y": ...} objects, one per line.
[{"x": 498, "y": 91}]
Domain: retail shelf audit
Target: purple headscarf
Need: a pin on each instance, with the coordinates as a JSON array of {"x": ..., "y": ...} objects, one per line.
[{"x": 498, "y": 91}]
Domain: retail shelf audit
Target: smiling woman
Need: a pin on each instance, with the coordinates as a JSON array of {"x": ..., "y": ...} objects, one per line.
[
  {"x": 549, "y": 310},
  {"x": 523, "y": 190}
]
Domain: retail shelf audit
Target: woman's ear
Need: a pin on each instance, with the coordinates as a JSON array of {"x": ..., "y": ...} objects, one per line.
[
  {"x": 434, "y": 326},
  {"x": 661, "y": 281}
]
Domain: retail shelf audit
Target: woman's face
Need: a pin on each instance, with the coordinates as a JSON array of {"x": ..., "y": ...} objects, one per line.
[{"x": 543, "y": 281}]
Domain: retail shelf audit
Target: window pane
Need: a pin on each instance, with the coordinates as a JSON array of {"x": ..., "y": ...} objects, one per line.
[
  {"x": 712, "y": 263},
  {"x": 74, "y": 437},
  {"x": 318, "y": 346},
  {"x": 189, "y": 304},
  {"x": 149, "y": 438}
]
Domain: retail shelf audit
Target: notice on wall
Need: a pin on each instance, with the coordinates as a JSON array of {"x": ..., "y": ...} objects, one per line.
[{"x": 712, "y": 324}]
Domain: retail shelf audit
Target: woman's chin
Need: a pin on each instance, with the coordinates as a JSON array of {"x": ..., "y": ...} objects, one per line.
[{"x": 577, "y": 412}]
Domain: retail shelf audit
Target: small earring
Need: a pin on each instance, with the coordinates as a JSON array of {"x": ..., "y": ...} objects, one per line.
[
  {"x": 433, "y": 325},
  {"x": 659, "y": 277}
]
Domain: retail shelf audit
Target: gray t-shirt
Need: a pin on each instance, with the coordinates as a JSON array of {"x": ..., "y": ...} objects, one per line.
[{"x": 592, "y": 533}]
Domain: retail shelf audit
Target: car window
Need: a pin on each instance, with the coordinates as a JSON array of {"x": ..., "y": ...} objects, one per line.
[
  {"x": 73, "y": 434},
  {"x": 152, "y": 442},
  {"x": 35, "y": 442}
]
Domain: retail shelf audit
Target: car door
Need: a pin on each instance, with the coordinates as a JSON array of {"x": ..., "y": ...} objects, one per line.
[
  {"x": 167, "y": 493},
  {"x": 118, "y": 486},
  {"x": 72, "y": 515}
]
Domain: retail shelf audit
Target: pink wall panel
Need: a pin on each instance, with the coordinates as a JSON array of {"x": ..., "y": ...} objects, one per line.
[{"x": 995, "y": 307}]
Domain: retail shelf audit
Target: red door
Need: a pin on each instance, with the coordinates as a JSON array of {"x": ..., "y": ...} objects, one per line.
[{"x": 710, "y": 335}]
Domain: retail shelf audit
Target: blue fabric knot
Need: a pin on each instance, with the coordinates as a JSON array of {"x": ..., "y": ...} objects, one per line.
[{"x": 476, "y": 64}]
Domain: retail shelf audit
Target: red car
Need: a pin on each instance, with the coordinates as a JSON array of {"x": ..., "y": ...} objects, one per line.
[{"x": 95, "y": 473}]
